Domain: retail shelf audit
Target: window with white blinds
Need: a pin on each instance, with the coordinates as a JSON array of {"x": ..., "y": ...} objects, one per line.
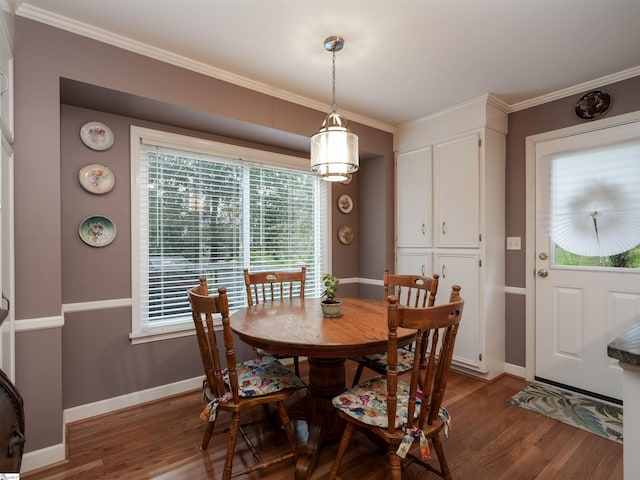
[{"x": 202, "y": 208}]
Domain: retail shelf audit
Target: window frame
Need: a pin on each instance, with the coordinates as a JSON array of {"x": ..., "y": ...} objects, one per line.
[{"x": 142, "y": 332}]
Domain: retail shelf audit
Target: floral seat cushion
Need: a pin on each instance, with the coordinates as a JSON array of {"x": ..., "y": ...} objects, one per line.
[
  {"x": 367, "y": 403},
  {"x": 378, "y": 361},
  {"x": 263, "y": 375}
]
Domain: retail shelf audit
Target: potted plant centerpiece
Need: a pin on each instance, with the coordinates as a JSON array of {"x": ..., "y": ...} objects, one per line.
[{"x": 330, "y": 306}]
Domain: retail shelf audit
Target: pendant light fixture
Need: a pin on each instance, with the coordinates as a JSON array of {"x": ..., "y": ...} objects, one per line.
[{"x": 334, "y": 149}]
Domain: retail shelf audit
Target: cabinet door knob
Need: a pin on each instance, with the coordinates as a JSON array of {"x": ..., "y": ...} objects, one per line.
[
  {"x": 444, "y": 271},
  {"x": 444, "y": 228},
  {"x": 423, "y": 270},
  {"x": 424, "y": 229}
]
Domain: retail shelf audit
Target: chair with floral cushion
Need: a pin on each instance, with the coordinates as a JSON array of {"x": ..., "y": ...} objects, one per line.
[
  {"x": 238, "y": 387},
  {"x": 401, "y": 413},
  {"x": 412, "y": 291},
  {"x": 271, "y": 286}
]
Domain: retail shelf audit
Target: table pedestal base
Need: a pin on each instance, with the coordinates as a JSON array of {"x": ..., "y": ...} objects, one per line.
[{"x": 326, "y": 380}]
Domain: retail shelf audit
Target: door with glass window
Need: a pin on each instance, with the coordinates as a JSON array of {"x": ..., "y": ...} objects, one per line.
[{"x": 587, "y": 255}]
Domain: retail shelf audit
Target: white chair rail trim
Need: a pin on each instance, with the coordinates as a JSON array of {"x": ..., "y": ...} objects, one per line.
[{"x": 42, "y": 323}]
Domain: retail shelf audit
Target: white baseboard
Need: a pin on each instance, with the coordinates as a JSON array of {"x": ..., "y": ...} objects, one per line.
[
  {"x": 56, "y": 453},
  {"x": 515, "y": 370},
  {"x": 101, "y": 407},
  {"x": 42, "y": 458}
]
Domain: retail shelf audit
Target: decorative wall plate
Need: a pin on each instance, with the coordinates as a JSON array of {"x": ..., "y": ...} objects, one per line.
[
  {"x": 593, "y": 105},
  {"x": 348, "y": 180},
  {"x": 345, "y": 204},
  {"x": 96, "y": 136},
  {"x": 345, "y": 234},
  {"x": 97, "y": 231},
  {"x": 96, "y": 178}
]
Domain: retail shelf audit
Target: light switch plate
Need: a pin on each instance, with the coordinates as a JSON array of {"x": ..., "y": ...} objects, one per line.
[{"x": 513, "y": 243}]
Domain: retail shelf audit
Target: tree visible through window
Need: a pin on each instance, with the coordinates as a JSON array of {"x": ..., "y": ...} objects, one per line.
[{"x": 209, "y": 214}]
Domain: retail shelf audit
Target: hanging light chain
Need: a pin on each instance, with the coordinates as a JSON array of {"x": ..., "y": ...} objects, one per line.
[{"x": 334, "y": 108}]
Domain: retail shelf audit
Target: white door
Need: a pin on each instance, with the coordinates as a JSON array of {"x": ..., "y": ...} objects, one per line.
[{"x": 587, "y": 231}]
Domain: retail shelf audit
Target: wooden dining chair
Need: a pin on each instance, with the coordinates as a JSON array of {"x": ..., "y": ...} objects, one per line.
[
  {"x": 238, "y": 387},
  {"x": 412, "y": 291},
  {"x": 275, "y": 286},
  {"x": 400, "y": 412}
]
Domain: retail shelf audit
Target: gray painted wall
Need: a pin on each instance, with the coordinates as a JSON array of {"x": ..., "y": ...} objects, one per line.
[
  {"x": 91, "y": 358},
  {"x": 92, "y": 347},
  {"x": 542, "y": 118}
]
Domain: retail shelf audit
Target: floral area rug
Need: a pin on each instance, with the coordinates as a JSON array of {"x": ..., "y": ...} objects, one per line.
[{"x": 601, "y": 418}]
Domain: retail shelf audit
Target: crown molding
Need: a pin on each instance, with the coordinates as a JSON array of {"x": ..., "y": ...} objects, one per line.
[
  {"x": 65, "y": 23},
  {"x": 105, "y": 36},
  {"x": 576, "y": 89},
  {"x": 497, "y": 103}
]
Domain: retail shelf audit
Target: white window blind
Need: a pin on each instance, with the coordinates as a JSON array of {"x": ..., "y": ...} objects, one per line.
[{"x": 200, "y": 213}]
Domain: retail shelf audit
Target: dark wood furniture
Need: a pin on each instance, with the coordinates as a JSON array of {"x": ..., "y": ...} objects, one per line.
[
  {"x": 204, "y": 307},
  {"x": 411, "y": 291},
  {"x": 421, "y": 397},
  {"x": 12, "y": 437},
  {"x": 272, "y": 286},
  {"x": 297, "y": 327}
]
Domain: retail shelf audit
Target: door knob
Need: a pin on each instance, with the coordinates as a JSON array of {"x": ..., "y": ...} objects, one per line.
[{"x": 543, "y": 272}]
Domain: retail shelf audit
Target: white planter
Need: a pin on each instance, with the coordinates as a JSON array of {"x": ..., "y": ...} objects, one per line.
[{"x": 333, "y": 309}]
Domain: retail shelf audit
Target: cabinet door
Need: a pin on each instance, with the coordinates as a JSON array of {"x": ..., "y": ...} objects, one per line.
[
  {"x": 457, "y": 192},
  {"x": 414, "y": 263},
  {"x": 413, "y": 198},
  {"x": 463, "y": 269}
]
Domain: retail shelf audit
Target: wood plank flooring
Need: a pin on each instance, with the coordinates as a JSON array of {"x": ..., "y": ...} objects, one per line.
[{"x": 490, "y": 440}]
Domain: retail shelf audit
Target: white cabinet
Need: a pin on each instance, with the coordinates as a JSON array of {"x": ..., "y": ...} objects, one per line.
[
  {"x": 413, "y": 198},
  {"x": 466, "y": 145},
  {"x": 414, "y": 262},
  {"x": 457, "y": 192},
  {"x": 414, "y": 225},
  {"x": 463, "y": 269}
]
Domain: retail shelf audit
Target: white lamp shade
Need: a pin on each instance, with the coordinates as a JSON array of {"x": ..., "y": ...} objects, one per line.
[{"x": 334, "y": 150}]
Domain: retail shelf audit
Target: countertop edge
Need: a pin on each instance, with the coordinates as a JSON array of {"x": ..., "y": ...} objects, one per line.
[{"x": 626, "y": 348}]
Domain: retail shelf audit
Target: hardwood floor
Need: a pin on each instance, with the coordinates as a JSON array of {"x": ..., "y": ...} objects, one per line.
[{"x": 490, "y": 440}]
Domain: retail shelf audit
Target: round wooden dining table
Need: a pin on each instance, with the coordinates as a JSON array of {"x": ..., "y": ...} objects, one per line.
[{"x": 297, "y": 327}]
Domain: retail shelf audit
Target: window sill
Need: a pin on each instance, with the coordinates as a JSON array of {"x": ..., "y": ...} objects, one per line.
[
  {"x": 167, "y": 332},
  {"x": 161, "y": 333}
]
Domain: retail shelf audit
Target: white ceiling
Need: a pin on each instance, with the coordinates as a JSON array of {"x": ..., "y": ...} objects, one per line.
[{"x": 402, "y": 60}]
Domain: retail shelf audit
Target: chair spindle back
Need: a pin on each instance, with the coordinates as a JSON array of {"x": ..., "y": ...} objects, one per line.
[
  {"x": 270, "y": 286},
  {"x": 437, "y": 326},
  {"x": 203, "y": 309}
]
